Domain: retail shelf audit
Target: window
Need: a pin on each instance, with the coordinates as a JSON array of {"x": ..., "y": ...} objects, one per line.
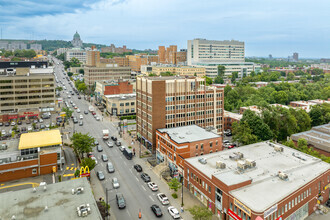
[
  {"x": 292, "y": 203},
  {"x": 132, "y": 103},
  {"x": 299, "y": 198},
  {"x": 231, "y": 206},
  {"x": 211, "y": 144},
  {"x": 201, "y": 146},
  {"x": 127, "y": 104},
  {"x": 127, "y": 110},
  {"x": 289, "y": 205},
  {"x": 34, "y": 171},
  {"x": 196, "y": 146},
  {"x": 121, "y": 104},
  {"x": 235, "y": 210},
  {"x": 216, "y": 143},
  {"x": 239, "y": 212},
  {"x": 132, "y": 110},
  {"x": 286, "y": 208},
  {"x": 310, "y": 191},
  {"x": 209, "y": 189}
]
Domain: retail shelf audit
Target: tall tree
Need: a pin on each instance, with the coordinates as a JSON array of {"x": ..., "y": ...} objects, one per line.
[
  {"x": 218, "y": 80},
  {"x": 82, "y": 143},
  {"x": 242, "y": 133},
  {"x": 234, "y": 76},
  {"x": 88, "y": 162},
  {"x": 174, "y": 184}
]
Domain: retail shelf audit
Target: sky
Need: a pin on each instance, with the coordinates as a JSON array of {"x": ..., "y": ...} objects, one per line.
[{"x": 277, "y": 27}]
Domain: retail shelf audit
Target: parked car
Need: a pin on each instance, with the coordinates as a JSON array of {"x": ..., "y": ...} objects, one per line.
[
  {"x": 122, "y": 148},
  {"x": 96, "y": 142},
  {"x": 29, "y": 128},
  {"x": 120, "y": 201},
  {"x": 3, "y": 133},
  {"x": 153, "y": 186},
  {"x": 40, "y": 120},
  {"x": 145, "y": 177},
  {"x": 104, "y": 158},
  {"x": 81, "y": 117},
  {"x": 100, "y": 175},
  {"x": 19, "y": 122},
  {"x": 86, "y": 112},
  {"x": 113, "y": 138},
  {"x": 7, "y": 124},
  {"x": 110, "y": 143},
  {"x": 42, "y": 126},
  {"x": 97, "y": 118},
  {"x": 75, "y": 120},
  {"x": 173, "y": 212},
  {"x": 99, "y": 148},
  {"x": 115, "y": 183},
  {"x": 1, "y": 124},
  {"x": 118, "y": 143},
  {"x": 78, "y": 110},
  {"x": 138, "y": 168},
  {"x": 163, "y": 198},
  {"x": 23, "y": 129},
  {"x": 156, "y": 210},
  {"x": 225, "y": 142},
  {"x": 81, "y": 123},
  {"x": 13, "y": 123},
  {"x": 28, "y": 122},
  {"x": 231, "y": 146},
  {"x": 110, "y": 167}
]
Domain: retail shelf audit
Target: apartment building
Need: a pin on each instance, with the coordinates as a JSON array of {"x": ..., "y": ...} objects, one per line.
[
  {"x": 121, "y": 104},
  {"x": 26, "y": 88},
  {"x": 259, "y": 181},
  {"x": 35, "y": 46},
  {"x": 167, "y": 102},
  {"x": 135, "y": 61},
  {"x": 34, "y": 154},
  {"x": 111, "y": 72},
  {"x": 92, "y": 57},
  {"x": 170, "y": 55},
  {"x": 174, "y": 145},
  {"x": 78, "y": 53},
  {"x": 113, "y": 49},
  {"x": 229, "y": 118}
]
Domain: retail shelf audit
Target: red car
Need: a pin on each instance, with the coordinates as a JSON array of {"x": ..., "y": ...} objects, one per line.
[
  {"x": 231, "y": 146},
  {"x": 93, "y": 113}
]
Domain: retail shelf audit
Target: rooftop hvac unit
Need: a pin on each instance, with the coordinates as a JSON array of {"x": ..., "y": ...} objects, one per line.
[
  {"x": 80, "y": 190},
  {"x": 240, "y": 155},
  {"x": 202, "y": 160},
  {"x": 83, "y": 210},
  {"x": 241, "y": 165},
  {"x": 250, "y": 163},
  {"x": 220, "y": 165},
  {"x": 283, "y": 176},
  {"x": 278, "y": 148}
]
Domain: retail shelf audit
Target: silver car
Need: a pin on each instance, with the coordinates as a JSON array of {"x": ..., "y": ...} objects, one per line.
[{"x": 115, "y": 183}]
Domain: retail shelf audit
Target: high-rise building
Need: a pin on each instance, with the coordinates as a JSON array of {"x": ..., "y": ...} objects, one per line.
[
  {"x": 110, "y": 72},
  {"x": 170, "y": 55},
  {"x": 166, "y": 102},
  {"x": 35, "y": 46},
  {"x": 93, "y": 57},
  {"x": 135, "y": 61},
  {"x": 78, "y": 53},
  {"x": 77, "y": 42},
  {"x": 295, "y": 57},
  {"x": 161, "y": 54}
]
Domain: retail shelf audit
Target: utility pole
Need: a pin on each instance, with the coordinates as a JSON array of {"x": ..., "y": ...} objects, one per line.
[{"x": 106, "y": 203}]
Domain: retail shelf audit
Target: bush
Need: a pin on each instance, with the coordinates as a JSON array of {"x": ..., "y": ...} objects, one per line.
[
  {"x": 59, "y": 178},
  {"x": 128, "y": 117},
  {"x": 129, "y": 147},
  {"x": 175, "y": 196}
]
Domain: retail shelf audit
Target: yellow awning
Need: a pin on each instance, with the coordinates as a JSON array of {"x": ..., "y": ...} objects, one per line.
[{"x": 40, "y": 139}]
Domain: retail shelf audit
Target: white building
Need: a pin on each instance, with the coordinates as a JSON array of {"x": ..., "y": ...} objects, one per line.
[
  {"x": 35, "y": 46},
  {"x": 78, "y": 53},
  {"x": 62, "y": 50},
  {"x": 211, "y": 53}
]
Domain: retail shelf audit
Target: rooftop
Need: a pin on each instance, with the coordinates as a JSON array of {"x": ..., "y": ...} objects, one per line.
[
  {"x": 122, "y": 96},
  {"x": 61, "y": 204},
  {"x": 266, "y": 188},
  {"x": 190, "y": 133},
  {"x": 40, "y": 139},
  {"x": 232, "y": 115}
]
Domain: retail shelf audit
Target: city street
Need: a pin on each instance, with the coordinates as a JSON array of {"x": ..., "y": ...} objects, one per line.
[{"x": 136, "y": 193}]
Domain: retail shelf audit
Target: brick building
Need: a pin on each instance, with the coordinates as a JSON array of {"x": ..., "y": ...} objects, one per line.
[
  {"x": 115, "y": 87},
  {"x": 170, "y": 55},
  {"x": 34, "y": 154},
  {"x": 94, "y": 74},
  {"x": 262, "y": 180},
  {"x": 167, "y": 102},
  {"x": 317, "y": 138},
  {"x": 176, "y": 144},
  {"x": 229, "y": 118},
  {"x": 92, "y": 57}
]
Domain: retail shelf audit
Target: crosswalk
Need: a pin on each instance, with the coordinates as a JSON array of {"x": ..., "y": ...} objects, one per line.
[{"x": 71, "y": 168}]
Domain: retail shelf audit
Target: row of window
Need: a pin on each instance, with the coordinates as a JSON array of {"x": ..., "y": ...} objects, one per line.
[{"x": 190, "y": 97}]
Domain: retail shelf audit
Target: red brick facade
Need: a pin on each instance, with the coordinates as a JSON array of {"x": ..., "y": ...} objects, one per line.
[{"x": 122, "y": 88}]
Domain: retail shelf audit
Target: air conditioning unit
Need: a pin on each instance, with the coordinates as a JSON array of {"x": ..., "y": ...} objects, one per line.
[
  {"x": 202, "y": 160},
  {"x": 250, "y": 163},
  {"x": 220, "y": 165},
  {"x": 80, "y": 190},
  {"x": 241, "y": 165},
  {"x": 240, "y": 155},
  {"x": 278, "y": 148},
  {"x": 83, "y": 210},
  {"x": 283, "y": 176}
]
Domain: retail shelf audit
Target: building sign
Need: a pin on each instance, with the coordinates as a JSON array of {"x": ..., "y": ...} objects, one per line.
[
  {"x": 242, "y": 207},
  {"x": 233, "y": 215},
  {"x": 28, "y": 113},
  {"x": 270, "y": 211}
]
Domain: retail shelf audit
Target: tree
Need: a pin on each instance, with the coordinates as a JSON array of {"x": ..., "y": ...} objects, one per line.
[
  {"x": 68, "y": 112},
  {"x": 221, "y": 70},
  {"x": 227, "y": 89},
  {"x": 316, "y": 115},
  {"x": 302, "y": 143},
  {"x": 253, "y": 74},
  {"x": 234, "y": 76},
  {"x": 242, "y": 133},
  {"x": 82, "y": 87},
  {"x": 200, "y": 213},
  {"x": 317, "y": 71},
  {"x": 82, "y": 143},
  {"x": 81, "y": 71},
  {"x": 290, "y": 76},
  {"x": 174, "y": 184},
  {"x": 218, "y": 80},
  {"x": 88, "y": 162},
  {"x": 70, "y": 74},
  {"x": 59, "y": 88},
  {"x": 208, "y": 80}
]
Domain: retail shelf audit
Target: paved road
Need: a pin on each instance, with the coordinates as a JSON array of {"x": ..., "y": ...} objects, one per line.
[{"x": 136, "y": 192}]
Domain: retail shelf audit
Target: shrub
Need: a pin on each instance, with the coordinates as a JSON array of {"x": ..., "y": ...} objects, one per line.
[{"x": 175, "y": 196}]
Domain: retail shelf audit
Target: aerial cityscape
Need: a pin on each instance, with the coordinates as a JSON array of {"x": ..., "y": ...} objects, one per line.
[{"x": 146, "y": 109}]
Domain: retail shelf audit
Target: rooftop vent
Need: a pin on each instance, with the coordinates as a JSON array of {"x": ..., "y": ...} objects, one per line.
[
  {"x": 34, "y": 190},
  {"x": 250, "y": 163},
  {"x": 83, "y": 210},
  {"x": 278, "y": 148},
  {"x": 46, "y": 208},
  {"x": 299, "y": 156},
  {"x": 80, "y": 190},
  {"x": 220, "y": 165},
  {"x": 241, "y": 165},
  {"x": 236, "y": 156},
  {"x": 282, "y": 176},
  {"x": 202, "y": 160}
]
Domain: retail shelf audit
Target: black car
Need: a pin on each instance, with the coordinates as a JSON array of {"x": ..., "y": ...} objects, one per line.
[
  {"x": 113, "y": 138},
  {"x": 145, "y": 177},
  {"x": 19, "y": 122},
  {"x": 79, "y": 97},
  {"x": 86, "y": 112},
  {"x": 327, "y": 204},
  {"x": 23, "y": 129},
  {"x": 120, "y": 201},
  {"x": 138, "y": 167},
  {"x": 156, "y": 210},
  {"x": 7, "y": 124}
]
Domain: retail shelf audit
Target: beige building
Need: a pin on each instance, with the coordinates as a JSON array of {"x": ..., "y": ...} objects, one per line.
[
  {"x": 111, "y": 72},
  {"x": 121, "y": 104},
  {"x": 167, "y": 102},
  {"x": 93, "y": 57},
  {"x": 182, "y": 71},
  {"x": 27, "y": 88},
  {"x": 80, "y": 54}
]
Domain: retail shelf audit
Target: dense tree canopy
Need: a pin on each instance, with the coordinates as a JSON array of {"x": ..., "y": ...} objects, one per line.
[{"x": 82, "y": 143}]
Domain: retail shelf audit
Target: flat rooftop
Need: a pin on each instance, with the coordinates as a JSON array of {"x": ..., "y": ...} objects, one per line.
[
  {"x": 232, "y": 115},
  {"x": 122, "y": 96},
  {"x": 40, "y": 139},
  {"x": 190, "y": 133},
  {"x": 26, "y": 204},
  {"x": 266, "y": 188}
]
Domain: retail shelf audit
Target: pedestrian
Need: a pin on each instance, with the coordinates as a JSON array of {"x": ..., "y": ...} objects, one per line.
[{"x": 182, "y": 210}]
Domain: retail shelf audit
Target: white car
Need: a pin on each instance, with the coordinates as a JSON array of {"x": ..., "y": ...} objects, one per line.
[
  {"x": 40, "y": 120},
  {"x": 97, "y": 118},
  {"x": 173, "y": 212},
  {"x": 162, "y": 198},
  {"x": 94, "y": 158},
  {"x": 115, "y": 183},
  {"x": 153, "y": 186},
  {"x": 69, "y": 96},
  {"x": 29, "y": 128},
  {"x": 81, "y": 117},
  {"x": 78, "y": 110}
]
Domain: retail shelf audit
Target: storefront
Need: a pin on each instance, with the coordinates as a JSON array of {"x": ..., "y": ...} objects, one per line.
[
  {"x": 30, "y": 115},
  {"x": 160, "y": 157}
]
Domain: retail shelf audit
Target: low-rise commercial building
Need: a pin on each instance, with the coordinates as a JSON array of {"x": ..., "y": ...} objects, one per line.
[
  {"x": 259, "y": 181},
  {"x": 317, "y": 138},
  {"x": 111, "y": 72},
  {"x": 115, "y": 87},
  {"x": 229, "y": 118},
  {"x": 174, "y": 145},
  {"x": 55, "y": 201},
  {"x": 34, "y": 154},
  {"x": 120, "y": 105}
]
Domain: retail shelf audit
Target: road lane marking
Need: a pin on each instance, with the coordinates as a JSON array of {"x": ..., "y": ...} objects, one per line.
[
  {"x": 72, "y": 168},
  {"x": 128, "y": 213},
  {"x": 151, "y": 198},
  {"x": 67, "y": 168},
  {"x": 144, "y": 188},
  {"x": 68, "y": 175},
  {"x": 131, "y": 171},
  {"x": 137, "y": 179}
]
